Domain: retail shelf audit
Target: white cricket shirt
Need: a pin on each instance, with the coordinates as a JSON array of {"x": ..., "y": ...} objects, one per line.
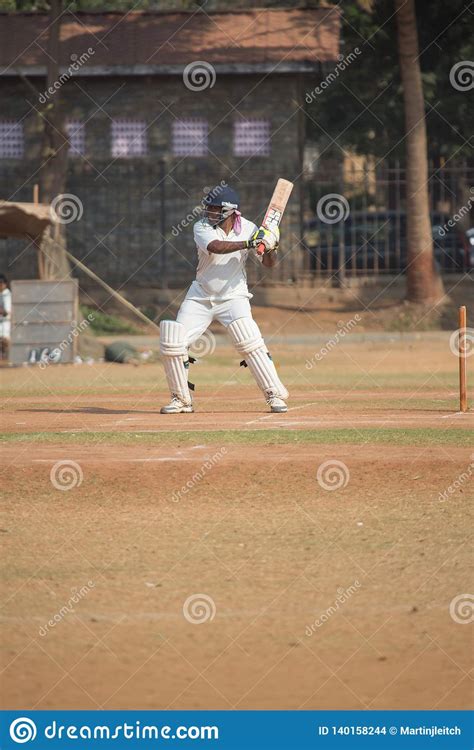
[
  {"x": 6, "y": 305},
  {"x": 220, "y": 277}
]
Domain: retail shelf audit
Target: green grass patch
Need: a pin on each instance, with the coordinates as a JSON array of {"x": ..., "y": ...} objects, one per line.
[
  {"x": 372, "y": 405},
  {"x": 103, "y": 324},
  {"x": 349, "y": 435},
  {"x": 31, "y": 382}
]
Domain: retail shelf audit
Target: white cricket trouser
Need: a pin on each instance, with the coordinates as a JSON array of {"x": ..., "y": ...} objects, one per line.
[
  {"x": 197, "y": 315},
  {"x": 235, "y": 315}
]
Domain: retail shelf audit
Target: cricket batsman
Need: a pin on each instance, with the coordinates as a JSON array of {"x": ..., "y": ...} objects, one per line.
[{"x": 223, "y": 240}]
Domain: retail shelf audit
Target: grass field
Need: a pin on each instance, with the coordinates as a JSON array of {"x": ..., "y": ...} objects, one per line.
[{"x": 235, "y": 558}]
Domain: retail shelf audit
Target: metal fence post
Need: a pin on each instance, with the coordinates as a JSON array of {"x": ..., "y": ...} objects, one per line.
[
  {"x": 341, "y": 251},
  {"x": 163, "y": 252}
]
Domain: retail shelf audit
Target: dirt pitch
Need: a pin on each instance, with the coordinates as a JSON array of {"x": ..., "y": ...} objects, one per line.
[{"x": 232, "y": 558}]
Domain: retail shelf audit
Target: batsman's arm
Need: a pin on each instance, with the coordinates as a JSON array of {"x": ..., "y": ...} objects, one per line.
[
  {"x": 269, "y": 259},
  {"x": 221, "y": 247}
]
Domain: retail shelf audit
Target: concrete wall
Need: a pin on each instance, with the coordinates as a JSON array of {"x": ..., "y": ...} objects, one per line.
[{"x": 119, "y": 235}]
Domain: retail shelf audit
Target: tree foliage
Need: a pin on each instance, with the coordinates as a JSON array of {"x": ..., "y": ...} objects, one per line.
[
  {"x": 363, "y": 108},
  {"x": 43, "y": 6}
]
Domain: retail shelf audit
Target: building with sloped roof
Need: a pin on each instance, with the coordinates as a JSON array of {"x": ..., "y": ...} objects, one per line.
[{"x": 160, "y": 107}]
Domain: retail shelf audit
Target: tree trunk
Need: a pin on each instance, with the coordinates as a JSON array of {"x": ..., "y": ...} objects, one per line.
[
  {"x": 54, "y": 153},
  {"x": 423, "y": 281}
]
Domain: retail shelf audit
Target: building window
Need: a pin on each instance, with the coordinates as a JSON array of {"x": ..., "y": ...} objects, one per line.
[
  {"x": 76, "y": 133},
  {"x": 12, "y": 143},
  {"x": 190, "y": 137},
  {"x": 251, "y": 138},
  {"x": 129, "y": 138}
]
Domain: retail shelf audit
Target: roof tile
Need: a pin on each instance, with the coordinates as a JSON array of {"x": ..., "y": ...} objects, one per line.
[{"x": 137, "y": 38}]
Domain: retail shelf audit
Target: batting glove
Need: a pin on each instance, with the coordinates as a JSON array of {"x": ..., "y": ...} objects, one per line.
[{"x": 268, "y": 237}]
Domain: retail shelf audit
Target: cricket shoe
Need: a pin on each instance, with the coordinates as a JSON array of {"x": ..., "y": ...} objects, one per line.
[
  {"x": 277, "y": 405},
  {"x": 176, "y": 406}
]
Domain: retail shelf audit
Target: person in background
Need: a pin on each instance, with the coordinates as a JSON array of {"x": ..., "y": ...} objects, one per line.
[{"x": 5, "y": 316}]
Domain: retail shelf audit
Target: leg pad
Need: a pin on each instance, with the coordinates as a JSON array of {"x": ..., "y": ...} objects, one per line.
[
  {"x": 248, "y": 340},
  {"x": 174, "y": 351}
]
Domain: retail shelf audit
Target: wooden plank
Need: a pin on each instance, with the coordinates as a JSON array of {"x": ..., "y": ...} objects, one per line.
[
  {"x": 462, "y": 354},
  {"x": 37, "y": 335},
  {"x": 44, "y": 314},
  {"x": 53, "y": 312},
  {"x": 20, "y": 353},
  {"x": 45, "y": 292}
]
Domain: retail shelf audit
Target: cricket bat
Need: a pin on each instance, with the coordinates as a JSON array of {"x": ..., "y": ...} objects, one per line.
[{"x": 276, "y": 208}]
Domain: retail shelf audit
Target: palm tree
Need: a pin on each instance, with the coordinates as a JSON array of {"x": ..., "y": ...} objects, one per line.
[
  {"x": 54, "y": 154},
  {"x": 423, "y": 281}
]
